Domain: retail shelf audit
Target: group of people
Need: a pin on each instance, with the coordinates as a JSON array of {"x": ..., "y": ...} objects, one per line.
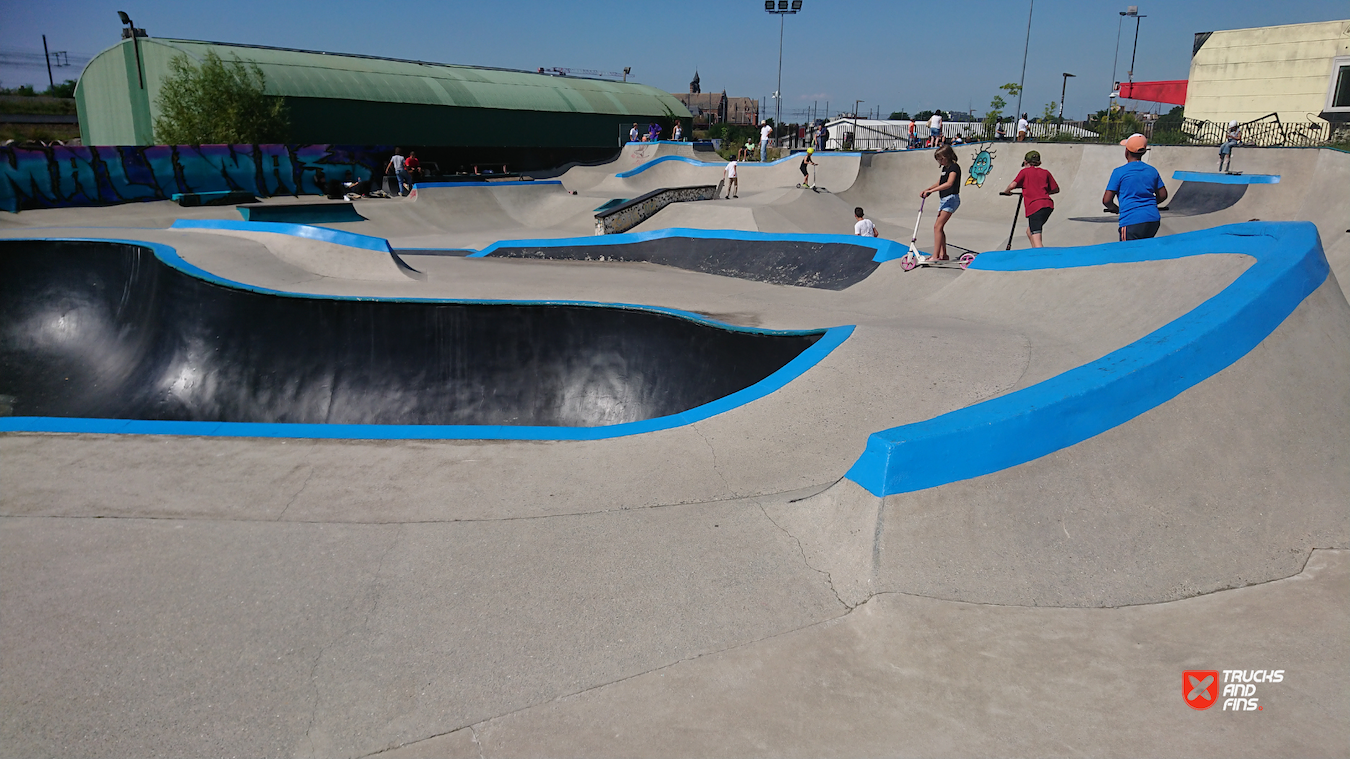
[
  {"x": 654, "y": 133},
  {"x": 1133, "y": 191}
]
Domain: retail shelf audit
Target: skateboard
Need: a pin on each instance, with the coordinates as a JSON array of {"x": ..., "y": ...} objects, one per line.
[{"x": 812, "y": 188}]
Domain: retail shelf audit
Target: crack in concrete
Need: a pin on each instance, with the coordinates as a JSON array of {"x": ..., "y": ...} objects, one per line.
[
  {"x": 713, "y": 451},
  {"x": 802, "y": 551},
  {"x": 473, "y": 735},
  {"x": 304, "y": 484}
]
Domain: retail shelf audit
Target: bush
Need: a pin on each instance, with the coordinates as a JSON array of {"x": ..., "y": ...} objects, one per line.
[{"x": 218, "y": 103}]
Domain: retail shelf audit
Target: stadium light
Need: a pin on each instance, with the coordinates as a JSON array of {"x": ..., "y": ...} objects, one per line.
[
  {"x": 135, "y": 43},
  {"x": 784, "y": 8}
]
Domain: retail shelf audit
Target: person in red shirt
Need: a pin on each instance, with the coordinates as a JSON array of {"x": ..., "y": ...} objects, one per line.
[{"x": 1037, "y": 186}]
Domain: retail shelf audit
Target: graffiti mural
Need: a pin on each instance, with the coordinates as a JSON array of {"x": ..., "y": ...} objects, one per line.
[
  {"x": 60, "y": 177},
  {"x": 981, "y": 163}
]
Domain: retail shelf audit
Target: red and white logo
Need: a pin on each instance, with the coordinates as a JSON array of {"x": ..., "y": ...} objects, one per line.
[{"x": 1200, "y": 687}]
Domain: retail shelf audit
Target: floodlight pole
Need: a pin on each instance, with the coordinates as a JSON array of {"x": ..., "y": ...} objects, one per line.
[
  {"x": 1021, "y": 84},
  {"x": 781, "y": 10},
  {"x": 855, "y": 122},
  {"x": 48, "y": 56}
]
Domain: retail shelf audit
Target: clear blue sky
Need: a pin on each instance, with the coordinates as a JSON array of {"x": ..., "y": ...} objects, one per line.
[{"x": 893, "y": 54}]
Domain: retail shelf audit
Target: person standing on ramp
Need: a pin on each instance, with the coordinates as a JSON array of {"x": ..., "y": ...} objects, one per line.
[
  {"x": 1140, "y": 189},
  {"x": 948, "y": 188},
  {"x": 729, "y": 175},
  {"x": 1037, "y": 186}
]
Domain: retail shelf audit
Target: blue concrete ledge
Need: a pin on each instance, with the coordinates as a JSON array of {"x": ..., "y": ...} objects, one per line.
[
  {"x": 321, "y": 234},
  {"x": 1084, "y": 402},
  {"x": 830, "y": 339},
  {"x": 1216, "y": 178},
  {"x": 720, "y": 164},
  {"x": 886, "y": 250}
]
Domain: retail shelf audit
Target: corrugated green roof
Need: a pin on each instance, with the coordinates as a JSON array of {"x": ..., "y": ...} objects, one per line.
[{"x": 299, "y": 73}]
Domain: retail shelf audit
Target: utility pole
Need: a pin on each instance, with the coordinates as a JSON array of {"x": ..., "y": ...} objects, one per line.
[
  {"x": 48, "y": 56},
  {"x": 855, "y": 122}
]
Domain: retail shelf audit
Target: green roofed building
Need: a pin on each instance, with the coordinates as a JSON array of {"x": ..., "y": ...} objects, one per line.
[{"x": 357, "y": 100}]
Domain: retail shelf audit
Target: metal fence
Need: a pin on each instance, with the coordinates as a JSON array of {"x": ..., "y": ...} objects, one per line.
[{"x": 1267, "y": 131}]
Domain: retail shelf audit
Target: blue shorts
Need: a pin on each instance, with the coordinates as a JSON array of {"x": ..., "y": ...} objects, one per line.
[
  {"x": 1227, "y": 147},
  {"x": 950, "y": 203},
  {"x": 934, "y": 131}
]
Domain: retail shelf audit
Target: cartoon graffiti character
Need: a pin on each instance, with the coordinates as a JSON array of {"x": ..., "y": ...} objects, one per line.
[{"x": 980, "y": 165}]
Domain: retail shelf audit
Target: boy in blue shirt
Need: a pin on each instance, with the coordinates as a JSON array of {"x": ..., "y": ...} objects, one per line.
[{"x": 1140, "y": 189}]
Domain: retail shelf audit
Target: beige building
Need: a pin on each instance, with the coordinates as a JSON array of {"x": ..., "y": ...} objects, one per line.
[{"x": 1294, "y": 71}]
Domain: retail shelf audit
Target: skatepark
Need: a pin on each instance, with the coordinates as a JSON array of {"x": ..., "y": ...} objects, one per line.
[{"x": 462, "y": 478}]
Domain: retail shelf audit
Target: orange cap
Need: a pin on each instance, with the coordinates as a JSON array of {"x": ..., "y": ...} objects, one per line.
[{"x": 1135, "y": 143}]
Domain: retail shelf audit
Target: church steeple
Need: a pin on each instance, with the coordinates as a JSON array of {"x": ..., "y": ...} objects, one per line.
[{"x": 693, "y": 86}]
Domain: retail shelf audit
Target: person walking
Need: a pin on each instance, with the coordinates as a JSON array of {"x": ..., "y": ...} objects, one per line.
[
  {"x": 397, "y": 167},
  {"x": 1230, "y": 141},
  {"x": 1037, "y": 186},
  {"x": 948, "y": 188},
  {"x": 729, "y": 175},
  {"x": 1139, "y": 188},
  {"x": 765, "y": 132},
  {"x": 863, "y": 227},
  {"x": 935, "y": 130},
  {"x": 1023, "y": 128}
]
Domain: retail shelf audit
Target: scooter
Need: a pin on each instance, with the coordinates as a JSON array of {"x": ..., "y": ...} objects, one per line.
[
  {"x": 1016, "y": 213},
  {"x": 916, "y": 258}
]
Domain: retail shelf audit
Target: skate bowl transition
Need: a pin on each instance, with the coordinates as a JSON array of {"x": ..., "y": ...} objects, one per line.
[
  {"x": 127, "y": 335},
  {"x": 464, "y": 478}
]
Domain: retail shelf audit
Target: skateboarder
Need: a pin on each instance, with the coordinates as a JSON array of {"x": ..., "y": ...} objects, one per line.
[
  {"x": 1230, "y": 141},
  {"x": 948, "y": 188},
  {"x": 863, "y": 227},
  {"x": 1037, "y": 186},
  {"x": 729, "y": 174},
  {"x": 806, "y": 161},
  {"x": 1140, "y": 189}
]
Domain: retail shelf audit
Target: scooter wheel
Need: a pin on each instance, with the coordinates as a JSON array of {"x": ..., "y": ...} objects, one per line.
[
  {"x": 908, "y": 262},
  {"x": 966, "y": 259}
]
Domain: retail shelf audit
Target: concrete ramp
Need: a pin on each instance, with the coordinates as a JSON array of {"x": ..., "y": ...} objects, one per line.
[
  {"x": 326, "y": 252},
  {"x": 1152, "y": 507}
]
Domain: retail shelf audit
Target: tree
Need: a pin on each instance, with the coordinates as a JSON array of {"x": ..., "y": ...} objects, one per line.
[
  {"x": 218, "y": 103},
  {"x": 899, "y": 116},
  {"x": 65, "y": 89},
  {"x": 1048, "y": 114},
  {"x": 923, "y": 115},
  {"x": 994, "y": 115}
]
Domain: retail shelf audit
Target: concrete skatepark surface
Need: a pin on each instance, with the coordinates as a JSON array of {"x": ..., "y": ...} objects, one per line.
[{"x": 719, "y": 587}]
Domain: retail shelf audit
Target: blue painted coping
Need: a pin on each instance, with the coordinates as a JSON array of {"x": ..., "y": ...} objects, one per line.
[
  {"x": 830, "y": 339},
  {"x": 1024, "y": 425},
  {"x": 321, "y": 234},
  {"x": 430, "y": 185},
  {"x": 886, "y": 250},
  {"x": 1216, "y": 178},
  {"x": 720, "y": 164}
]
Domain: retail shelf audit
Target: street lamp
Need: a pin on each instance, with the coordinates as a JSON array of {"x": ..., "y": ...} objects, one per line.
[
  {"x": 1137, "y": 19},
  {"x": 1062, "y": 92},
  {"x": 1133, "y": 10},
  {"x": 131, "y": 31},
  {"x": 780, "y": 8}
]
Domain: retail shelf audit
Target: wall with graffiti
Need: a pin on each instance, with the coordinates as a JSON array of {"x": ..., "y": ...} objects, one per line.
[{"x": 56, "y": 177}]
